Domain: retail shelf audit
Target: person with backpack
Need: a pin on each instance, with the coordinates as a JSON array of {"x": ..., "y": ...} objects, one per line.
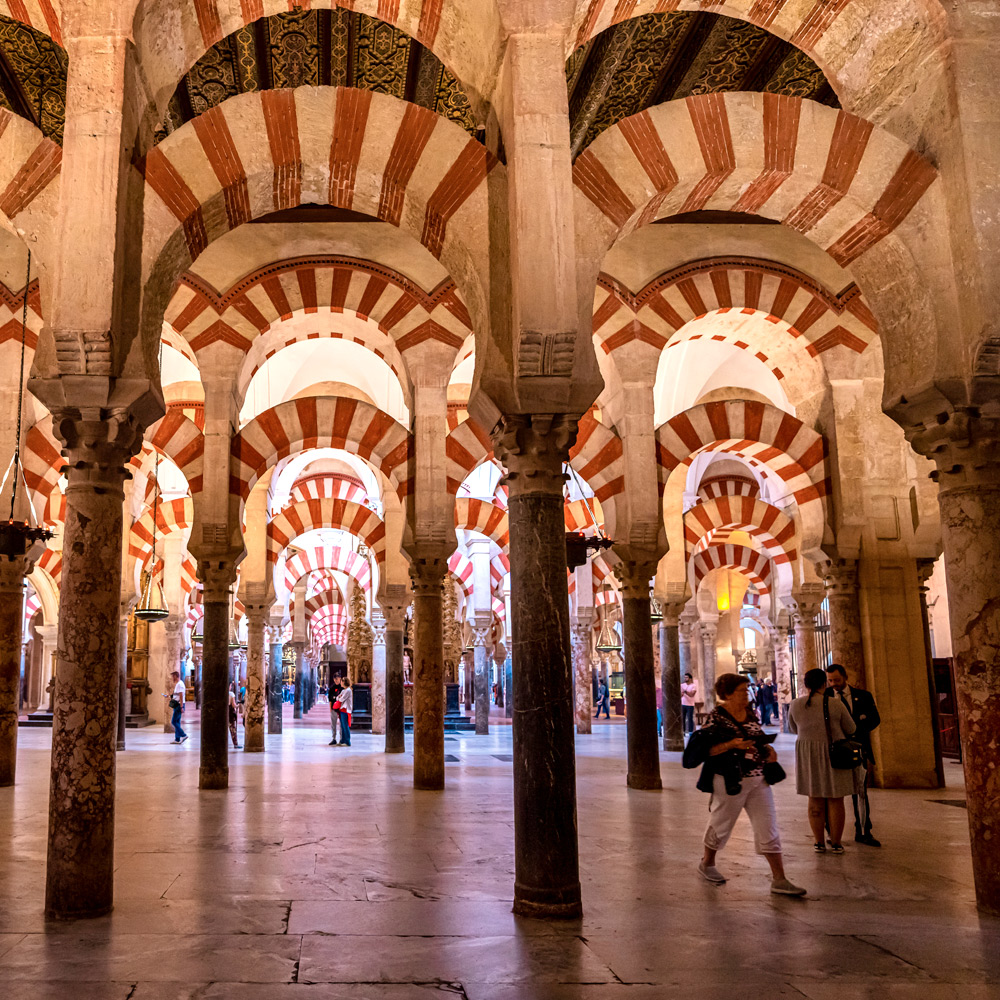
[
  {"x": 344, "y": 706},
  {"x": 739, "y": 766}
]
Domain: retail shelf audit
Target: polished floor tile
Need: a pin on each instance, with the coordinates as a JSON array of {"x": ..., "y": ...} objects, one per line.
[{"x": 321, "y": 875}]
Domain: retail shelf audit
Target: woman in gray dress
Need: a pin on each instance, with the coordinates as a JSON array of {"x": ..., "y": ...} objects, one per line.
[{"x": 814, "y": 775}]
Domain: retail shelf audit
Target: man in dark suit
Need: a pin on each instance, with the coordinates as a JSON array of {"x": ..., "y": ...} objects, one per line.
[{"x": 863, "y": 710}]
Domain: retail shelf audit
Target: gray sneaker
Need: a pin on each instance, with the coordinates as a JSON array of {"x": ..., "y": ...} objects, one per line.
[
  {"x": 782, "y": 887},
  {"x": 711, "y": 874}
]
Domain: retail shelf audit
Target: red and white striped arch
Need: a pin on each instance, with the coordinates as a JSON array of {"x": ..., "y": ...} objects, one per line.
[
  {"x": 466, "y": 447},
  {"x": 277, "y": 149},
  {"x": 324, "y": 485},
  {"x": 42, "y": 15},
  {"x": 322, "y": 557},
  {"x": 29, "y": 171},
  {"x": 729, "y": 485},
  {"x": 329, "y": 625},
  {"x": 774, "y": 528},
  {"x": 322, "y": 583},
  {"x": 11, "y": 313},
  {"x": 178, "y": 437},
  {"x": 822, "y": 172},
  {"x": 580, "y": 517},
  {"x": 489, "y": 519},
  {"x": 43, "y": 463},
  {"x": 753, "y": 565},
  {"x": 321, "y": 422},
  {"x": 261, "y": 301},
  {"x": 171, "y": 516},
  {"x": 806, "y": 315},
  {"x": 307, "y": 515},
  {"x": 460, "y": 567}
]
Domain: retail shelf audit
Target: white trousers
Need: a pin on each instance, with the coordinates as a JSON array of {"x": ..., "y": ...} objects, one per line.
[{"x": 724, "y": 810}]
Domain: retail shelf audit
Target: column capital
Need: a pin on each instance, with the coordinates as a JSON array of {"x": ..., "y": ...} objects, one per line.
[
  {"x": 428, "y": 566},
  {"x": 533, "y": 448},
  {"x": 673, "y": 613},
  {"x": 963, "y": 441},
  {"x": 839, "y": 575},
  {"x": 708, "y": 628},
  {"x": 805, "y": 603},
  {"x": 481, "y": 634},
  {"x": 635, "y": 571},
  {"x": 925, "y": 569},
  {"x": 379, "y": 627},
  {"x": 13, "y": 570},
  {"x": 217, "y": 577}
]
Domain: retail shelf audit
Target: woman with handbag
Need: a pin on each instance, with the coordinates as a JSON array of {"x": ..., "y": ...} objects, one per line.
[
  {"x": 739, "y": 767},
  {"x": 822, "y": 723}
]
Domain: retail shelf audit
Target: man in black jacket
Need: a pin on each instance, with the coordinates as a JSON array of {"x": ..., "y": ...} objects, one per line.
[{"x": 863, "y": 710}]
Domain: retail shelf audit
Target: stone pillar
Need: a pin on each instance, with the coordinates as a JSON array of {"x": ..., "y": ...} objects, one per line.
[
  {"x": 253, "y": 708},
  {"x": 782, "y": 672},
  {"x": 395, "y": 614},
  {"x": 841, "y": 579},
  {"x": 670, "y": 677},
  {"x": 300, "y": 664},
  {"x": 685, "y": 628},
  {"x": 217, "y": 578},
  {"x": 469, "y": 668},
  {"x": 583, "y": 631},
  {"x": 481, "y": 628},
  {"x": 635, "y": 572},
  {"x": 546, "y": 858},
  {"x": 709, "y": 629},
  {"x": 805, "y": 606},
  {"x": 378, "y": 672},
  {"x": 123, "y": 695},
  {"x": 427, "y": 575},
  {"x": 13, "y": 569},
  {"x": 964, "y": 442},
  {"x": 79, "y": 873},
  {"x": 274, "y": 687}
]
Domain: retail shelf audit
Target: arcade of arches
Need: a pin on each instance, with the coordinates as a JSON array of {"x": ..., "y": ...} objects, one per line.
[{"x": 434, "y": 340}]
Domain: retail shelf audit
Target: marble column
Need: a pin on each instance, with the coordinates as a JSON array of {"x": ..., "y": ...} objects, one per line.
[
  {"x": 841, "y": 579},
  {"x": 964, "y": 442},
  {"x": 217, "y": 577},
  {"x": 427, "y": 575},
  {"x": 13, "y": 569},
  {"x": 395, "y": 615},
  {"x": 805, "y": 607},
  {"x": 640, "y": 677},
  {"x": 253, "y": 708},
  {"x": 123, "y": 694},
  {"x": 79, "y": 878},
  {"x": 685, "y": 628},
  {"x": 782, "y": 672},
  {"x": 925, "y": 568},
  {"x": 378, "y": 672},
  {"x": 469, "y": 668},
  {"x": 546, "y": 853},
  {"x": 583, "y": 632},
  {"x": 709, "y": 630},
  {"x": 274, "y": 687},
  {"x": 300, "y": 664},
  {"x": 670, "y": 677},
  {"x": 480, "y": 638}
]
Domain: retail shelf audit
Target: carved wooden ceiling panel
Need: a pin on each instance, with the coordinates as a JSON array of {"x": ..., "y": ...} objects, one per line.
[
  {"x": 339, "y": 48},
  {"x": 664, "y": 57},
  {"x": 33, "y": 77}
]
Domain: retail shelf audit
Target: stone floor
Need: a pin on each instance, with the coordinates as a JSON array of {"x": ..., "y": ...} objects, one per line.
[{"x": 321, "y": 874}]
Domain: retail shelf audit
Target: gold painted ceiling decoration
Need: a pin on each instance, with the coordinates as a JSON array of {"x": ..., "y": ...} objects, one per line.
[
  {"x": 664, "y": 57},
  {"x": 33, "y": 77},
  {"x": 338, "y": 48}
]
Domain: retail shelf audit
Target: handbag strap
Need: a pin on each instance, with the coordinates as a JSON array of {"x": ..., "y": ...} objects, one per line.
[{"x": 826, "y": 716}]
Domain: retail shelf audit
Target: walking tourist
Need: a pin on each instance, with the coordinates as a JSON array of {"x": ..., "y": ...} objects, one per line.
[
  {"x": 689, "y": 692},
  {"x": 603, "y": 700},
  {"x": 176, "y": 706},
  {"x": 344, "y": 706},
  {"x": 232, "y": 716}
]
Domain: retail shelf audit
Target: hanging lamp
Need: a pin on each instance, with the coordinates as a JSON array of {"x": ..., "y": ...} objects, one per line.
[
  {"x": 655, "y": 610},
  {"x": 578, "y": 544},
  {"x": 21, "y": 538},
  {"x": 607, "y": 640},
  {"x": 153, "y": 605}
]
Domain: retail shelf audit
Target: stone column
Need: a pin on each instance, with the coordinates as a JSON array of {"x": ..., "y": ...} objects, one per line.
[
  {"x": 805, "y": 606},
  {"x": 79, "y": 873},
  {"x": 274, "y": 688},
  {"x": 841, "y": 579},
  {"x": 481, "y": 628},
  {"x": 299, "y": 667},
  {"x": 546, "y": 859},
  {"x": 253, "y": 708},
  {"x": 217, "y": 578},
  {"x": 670, "y": 677},
  {"x": 427, "y": 576},
  {"x": 709, "y": 629},
  {"x": 964, "y": 443},
  {"x": 469, "y": 668},
  {"x": 583, "y": 631},
  {"x": 782, "y": 672},
  {"x": 685, "y": 628},
  {"x": 635, "y": 573},
  {"x": 13, "y": 569},
  {"x": 123, "y": 695},
  {"x": 395, "y": 614},
  {"x": 378, "y": 672}
]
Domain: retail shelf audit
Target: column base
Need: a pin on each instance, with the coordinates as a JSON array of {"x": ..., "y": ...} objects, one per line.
[
  {"x": 253, "y": 749},
  {"x": 213, "y": 777},
  {"x": 548, "y": 904},
  {"x": 674, "y": 746},
  {"x": 428, "y": 784},
  {"x": 390, "y": 749},
  {"x": 120, "y": 745},
  {"x": 645, "y": 783},
  {"x": 60, "y": 915}
]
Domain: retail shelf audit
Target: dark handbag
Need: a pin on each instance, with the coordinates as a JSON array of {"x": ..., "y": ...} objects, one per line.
[
  {"x": 174, "y": 704},
  {"x": 845, "y": 755},
  {"x": 774, "y": 772}
]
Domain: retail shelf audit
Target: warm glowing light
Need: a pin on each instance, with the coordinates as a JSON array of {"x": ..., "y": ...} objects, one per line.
[{"x": 723, "y": 600}]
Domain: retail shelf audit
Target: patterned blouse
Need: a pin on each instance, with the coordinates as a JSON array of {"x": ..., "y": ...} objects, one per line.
[{"x": 728, "y": 729}]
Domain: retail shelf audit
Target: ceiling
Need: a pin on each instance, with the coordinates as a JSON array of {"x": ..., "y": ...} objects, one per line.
[
  {"x": 664, "y": 57},
  {"x": 33, "y": 77},
  {"x": 338, "y": 48}
]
